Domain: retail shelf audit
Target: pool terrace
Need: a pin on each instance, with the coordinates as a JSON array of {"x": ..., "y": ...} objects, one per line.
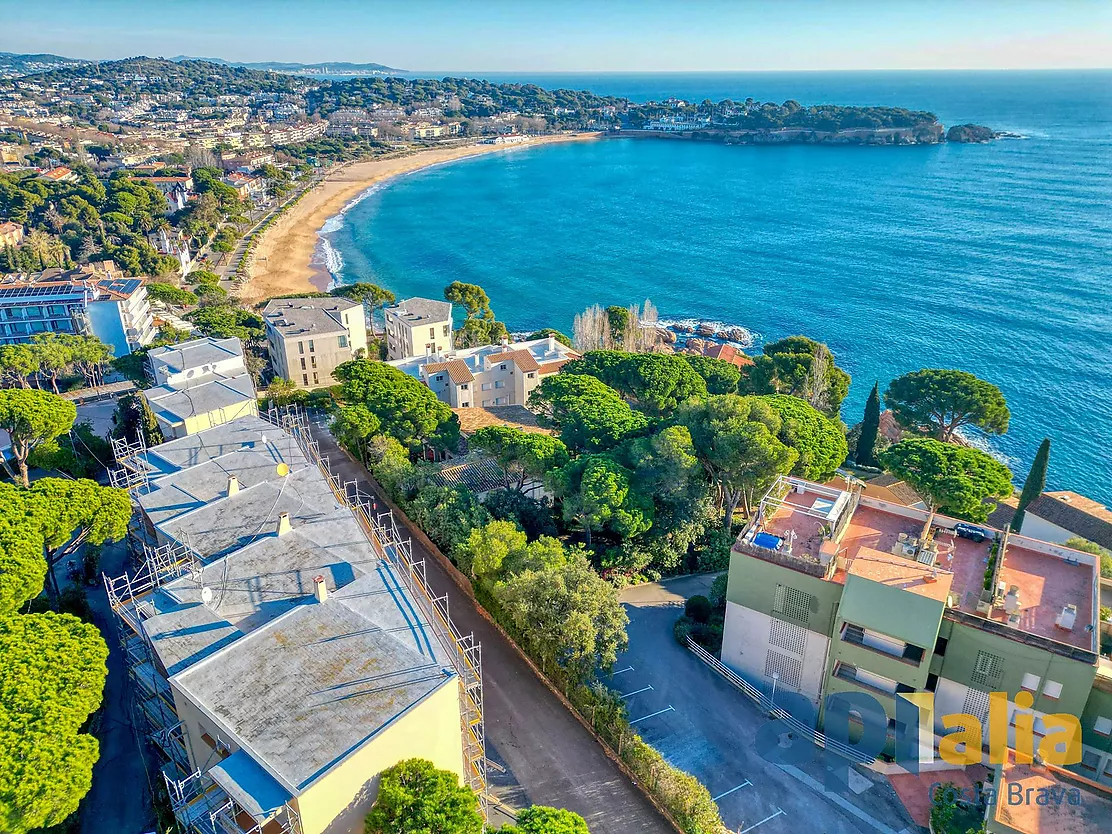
[{"x": 1037, "y": 590}]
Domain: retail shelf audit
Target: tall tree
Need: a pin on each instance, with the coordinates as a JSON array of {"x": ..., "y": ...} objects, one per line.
[
  {"x": 1034, "y": 485},
  {"x": 569, "y": 617},
  {"x": 406, "y": 409},
  {"x": 939, "y": 402},
  {"x": 720, "y": 376},
  {"x": 31, "y": 417},
  {"x": 736, "y": 440},
  {"x": 588, "y": 413},
  {"x": 819, "y": 440},
  {"x": 480, "y": 327},
  {"x": 597, "y": 494},
  {"x": 415, "y": 797},
  {"x": 591, "y": 330},
  {"x": 372, "y": 296},
  {"x": 957, "y": 480},
  {"x": 801, "y": 367},
  {"x": 17, "y": 363},
  {"x": 521, "y": 455},
  {"x": 870, "y": 425},
  {"x": 656, "y": 383}
]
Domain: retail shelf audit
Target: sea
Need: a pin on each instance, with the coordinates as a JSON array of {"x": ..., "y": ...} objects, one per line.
[{"x": 994, "y": 258}]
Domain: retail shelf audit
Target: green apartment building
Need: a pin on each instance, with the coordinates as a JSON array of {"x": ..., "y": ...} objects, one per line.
[{"x": 832, "y": 590}]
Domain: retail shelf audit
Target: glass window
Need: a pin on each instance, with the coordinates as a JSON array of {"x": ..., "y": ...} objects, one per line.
[
  {"x": 300, "y": 347},
  {"x": 447, "y": 328},
  {"x": 1053, "y": 689},
  {"x": 311, "y": 348},
  {"x": 302, "y": 363},
  {"x": 314, "y": 361},
  {"x": 498, "y": 383},
  {"x": 1031, "y": 682},
  {"x": 305, "y": 378},
  {"x": 1103, "y": 726},
  {"x": 316, "y": 379},
  {"x": 463, "y": 387},
  {"x": 343, "y": 341},
  {"x": 432, "y": 332}
]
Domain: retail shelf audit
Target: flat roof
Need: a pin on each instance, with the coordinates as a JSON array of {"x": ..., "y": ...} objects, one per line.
[
  {"x": 297, "y": 683},
  {"x": 531, "y": 355},
  {"x": 308, "y": 316},
  {"x": 196, "y": 353},
  {"x": 885, "y": 531},
  {"x": 1058, "y": 816},
  {"x": 312, "y": 686},
  {"x": 200, "y": 396},
  {"x": 898, "y": 572}
]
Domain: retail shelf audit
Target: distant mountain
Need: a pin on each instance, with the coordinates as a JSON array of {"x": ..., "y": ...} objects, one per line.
[
  {"x": 293, "y": 68},
  {"x": 18, "y": 64}
]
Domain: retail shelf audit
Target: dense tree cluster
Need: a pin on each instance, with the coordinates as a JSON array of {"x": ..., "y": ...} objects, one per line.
[
  {"x": 86, "y": 220},
  {"x": 957, "y": 480},
  {"x": 801, "y": 367},
  {"x": 480, "y": 327},
  {"x": 757, "y": 115}
]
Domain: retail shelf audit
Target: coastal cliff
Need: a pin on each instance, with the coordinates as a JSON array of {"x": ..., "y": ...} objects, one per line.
[
  {"x": 926, "y": 134},
  {"x": 971, "y": 133}
]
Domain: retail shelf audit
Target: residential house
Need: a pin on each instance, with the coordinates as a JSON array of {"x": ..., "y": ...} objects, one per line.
[
  {"x": 60, "y": 174},
  {"x": 832, "y": 590},
  {"x": 418, "y": 327},
  {"x": 246, "y": 161},
  {"x": 307, "y": 338},
  {"x": 1061, "y": 516},
  {"x": 281, "y": 652},
  {"x": 199, "y": 384},
  {"x": 491, "y": 375},
  {"x": 727, "y": 353},
  {"x": 95, "y": 299}
]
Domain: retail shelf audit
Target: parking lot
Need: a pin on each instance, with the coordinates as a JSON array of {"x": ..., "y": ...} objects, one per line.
[{"x": 703, "y": 725}]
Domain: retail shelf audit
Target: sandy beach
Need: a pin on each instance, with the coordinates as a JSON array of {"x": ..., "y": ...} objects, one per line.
[{"x": 282, "y": 257}]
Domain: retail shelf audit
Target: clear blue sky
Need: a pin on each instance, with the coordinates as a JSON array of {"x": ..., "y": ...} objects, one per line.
[{"x": 579, "y": 35}]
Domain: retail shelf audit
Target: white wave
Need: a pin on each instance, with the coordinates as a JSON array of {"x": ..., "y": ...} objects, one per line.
[
  {"x": 979, "y": 441},
  {"x": 750, "y": 338}
]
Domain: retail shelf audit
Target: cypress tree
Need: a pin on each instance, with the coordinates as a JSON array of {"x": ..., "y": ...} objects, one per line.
[
  {"x": 870, "y": 425},
  {"x": 1034, "y": 485}
]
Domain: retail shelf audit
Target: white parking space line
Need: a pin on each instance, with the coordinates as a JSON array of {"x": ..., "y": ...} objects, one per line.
[
  {"x": 744, "y": 784},
  {"x": 626, "y": 669},
  {"x": 762, "y": 822},
  {"x": 670, "y": 708},
  {"x": 638, "y": 691}
]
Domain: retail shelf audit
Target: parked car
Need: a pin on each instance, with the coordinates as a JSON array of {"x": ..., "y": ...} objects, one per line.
[{"x": 970, "y": 531}]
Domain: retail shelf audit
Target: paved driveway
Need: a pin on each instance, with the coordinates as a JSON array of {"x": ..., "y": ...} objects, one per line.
[
  {"x": 702, "y": 724},
  {"x": 549, "y": 756}
]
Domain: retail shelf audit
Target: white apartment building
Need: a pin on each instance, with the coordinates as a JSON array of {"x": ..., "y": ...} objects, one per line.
[
  {"x": 308, "y": 337},
  {"x": 199, "y": 384},
  {"x": 95, "y": 300},
  {"x": 418, "y": 327},
  {"x": 491, "y": 375}
]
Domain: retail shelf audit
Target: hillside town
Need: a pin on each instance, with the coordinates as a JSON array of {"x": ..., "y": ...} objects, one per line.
[{"x": 337, "y": 561}]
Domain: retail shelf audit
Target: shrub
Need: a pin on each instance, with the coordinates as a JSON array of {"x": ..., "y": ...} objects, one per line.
[
  {"x": 718, "y": 592},
  {"x": 715, "y": 553},
  {"x": 682, "y": 629},
  {"x": 699, "y": 609}
]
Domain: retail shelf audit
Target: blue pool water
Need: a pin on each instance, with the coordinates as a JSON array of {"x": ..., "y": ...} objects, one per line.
[{"x": 993, "y": 258}]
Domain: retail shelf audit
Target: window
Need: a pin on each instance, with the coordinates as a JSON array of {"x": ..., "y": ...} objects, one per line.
[
  {"x": 486, "y": 403},
  {"x": 1090, "y": 759},
  {"x": 311, "y": 348},
  {"x": 316, "y": 379},
  {"x": 486, "y": 386},
  {"x": 1103, "y": 726},
  {"x": 1031, "y": 682},
  {"x": 1052, "y": 690},
  {"x": 432, "y": 332},
  {"x": 463, "y": 387},
  {"x": 343, "y": 341},
  {"x": 440, "y": 377},
  {"x": 466, "y": 405},
  {"x": 932, "y": 682},
  {"x": 305, "y": 379},
  {"x": 314, "y": 361},
  {"x": 302, "y": 363},
  {"x": 531, "y": 374},
  {"x": 498, "y": 383},
  {"x": 447, "y": 328},
  {"x": 940, "y": 646},
  {"x": 300, "y": 347},
  {"x": 502, "y": 367}
]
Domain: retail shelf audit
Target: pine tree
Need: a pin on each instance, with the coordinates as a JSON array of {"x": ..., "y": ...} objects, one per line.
[
  {"x": 870, "y": 425},
  {"x": 1034, "y": 485}
]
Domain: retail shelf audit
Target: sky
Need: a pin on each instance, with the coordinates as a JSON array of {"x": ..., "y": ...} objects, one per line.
[{"x": 579, "y": 35}]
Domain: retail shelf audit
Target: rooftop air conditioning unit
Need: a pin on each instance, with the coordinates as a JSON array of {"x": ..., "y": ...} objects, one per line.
[{"x": 1067, "y": 618}]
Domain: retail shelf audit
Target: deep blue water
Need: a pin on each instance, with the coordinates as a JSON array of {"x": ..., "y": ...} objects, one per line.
[{"x": 992, "y": 258}]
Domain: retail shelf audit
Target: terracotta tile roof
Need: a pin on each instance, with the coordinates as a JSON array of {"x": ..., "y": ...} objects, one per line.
[
  {"x": 517, "y": 416},
  {"x": 459, "y": 372},
  {"x": 901, "y": 490},
  {"x": 553, "y": 367},
  {"x": 727, "y": 353},
  {"x": 522, "y": 358}
]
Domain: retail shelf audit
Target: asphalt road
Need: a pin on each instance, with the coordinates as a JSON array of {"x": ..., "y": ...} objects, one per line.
[
  {"x": 550, "y": 757},
  {"x": 702, "y": 724}
]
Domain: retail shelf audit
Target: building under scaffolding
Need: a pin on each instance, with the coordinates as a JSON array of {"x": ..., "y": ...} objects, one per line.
[{"x": 284, "y": 647}]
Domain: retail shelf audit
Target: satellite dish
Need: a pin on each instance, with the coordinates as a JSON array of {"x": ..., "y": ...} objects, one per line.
[
  {"x": 283, "y": 470},
  {"x": 206, "y": 595}
]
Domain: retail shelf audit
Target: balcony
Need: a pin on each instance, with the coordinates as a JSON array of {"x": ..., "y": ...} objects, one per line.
[
  {"x": 870, "y": 681},
  {"x": 883, "y": 644}
]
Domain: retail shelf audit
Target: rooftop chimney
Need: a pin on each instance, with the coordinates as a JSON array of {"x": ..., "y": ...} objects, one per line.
[
  {"x": 233, "y": 485},
  {"x": 551, "y": 344},
  {"x": 283, "y": 524},
  {"x": 321, "y": 590}
]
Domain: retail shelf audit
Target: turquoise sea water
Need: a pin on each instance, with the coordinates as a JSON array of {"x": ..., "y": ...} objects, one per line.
[{"x": 992, "y": 258}]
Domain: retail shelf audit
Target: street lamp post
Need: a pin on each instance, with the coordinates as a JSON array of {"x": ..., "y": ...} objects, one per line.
[{"x": 775, "y": 678}]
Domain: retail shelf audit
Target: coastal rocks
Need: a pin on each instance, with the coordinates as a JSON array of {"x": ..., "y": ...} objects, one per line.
[
  {"x": 971, "y": 133},
  {"x": 694, "y": 346},
  {"x": 737, "y": 334},
  {"x": 704, "y": 330},
  {"x": 665, "y": 336}
]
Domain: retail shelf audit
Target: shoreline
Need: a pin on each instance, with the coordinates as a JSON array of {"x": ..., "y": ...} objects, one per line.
[{"x": 283, "y": 263}]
